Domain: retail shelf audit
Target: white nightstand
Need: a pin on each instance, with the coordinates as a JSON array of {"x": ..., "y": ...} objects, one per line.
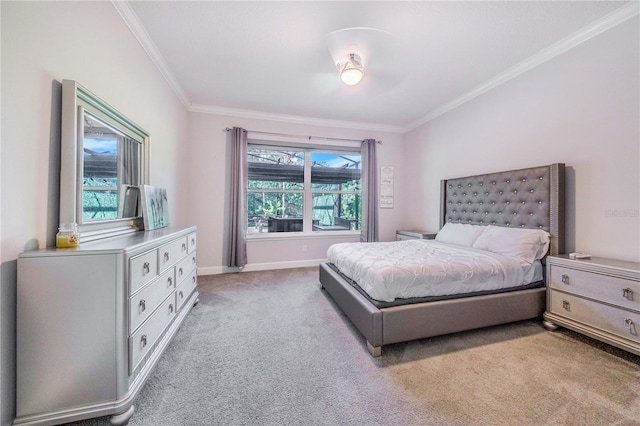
[
  {"x": 414, "y": 235},
  {"x": 597, "y": 297}
]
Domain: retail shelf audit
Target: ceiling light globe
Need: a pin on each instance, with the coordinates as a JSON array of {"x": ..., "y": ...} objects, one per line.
[{"x": 351, "y": 76}]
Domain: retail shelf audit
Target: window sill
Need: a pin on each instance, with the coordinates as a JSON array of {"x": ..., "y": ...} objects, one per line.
[{"x": 270, "y": 236}]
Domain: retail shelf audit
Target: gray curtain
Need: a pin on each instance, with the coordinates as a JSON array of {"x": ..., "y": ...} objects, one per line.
[
  {"x": 237, "y": 231},
  {"x": 369, "y": 230},
  {"x": 130, "y": 164}
]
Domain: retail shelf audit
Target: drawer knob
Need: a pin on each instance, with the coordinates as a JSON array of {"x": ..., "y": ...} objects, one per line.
[
  {"x": 627, "y": 293},
  {"x": 193, "y": 260},
  {"x": 169, "y": 282},
  {"x": 146, "y": 268},
  {"x": 142, "y": 306},
  {"x": 566, "y": 305},
  {"x": 565, "y": 279},
  {"x": 193, "y": 241},
  {"x": 629, "y": 325},
  {"x": 180, "y": 271},
  {"x": 171, "y": 308},
  {"x": 184, "y": 247},
  {"x": 143, "y": 341},
  {"x": 181, "y": 294},
  {"x": 166, "y": 256}
]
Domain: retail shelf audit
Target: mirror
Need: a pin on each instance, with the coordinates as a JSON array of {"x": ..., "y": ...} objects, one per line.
[{"x": 104, "y": 159}]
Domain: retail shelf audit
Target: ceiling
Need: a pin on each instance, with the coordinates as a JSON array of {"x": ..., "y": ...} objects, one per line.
[{"x": 270, "y": 59}]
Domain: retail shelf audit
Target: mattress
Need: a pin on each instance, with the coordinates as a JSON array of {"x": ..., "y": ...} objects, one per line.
[{"x": 424, "y": 268}]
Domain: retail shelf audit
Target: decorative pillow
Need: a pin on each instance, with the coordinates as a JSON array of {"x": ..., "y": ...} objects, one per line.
[
  {"x": 459, "y": 234},
  {"x": 525, "y": 244}
]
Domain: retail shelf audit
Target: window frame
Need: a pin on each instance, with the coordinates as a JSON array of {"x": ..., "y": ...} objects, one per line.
[{"x": 307, "y": 191}]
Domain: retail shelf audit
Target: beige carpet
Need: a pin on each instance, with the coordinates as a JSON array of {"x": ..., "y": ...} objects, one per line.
[{"x": 271, "y": 348}]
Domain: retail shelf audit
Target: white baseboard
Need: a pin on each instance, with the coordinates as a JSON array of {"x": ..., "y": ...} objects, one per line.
[
  {"x": 252, "y": 267},
  {"x": 211, "y": 270}
]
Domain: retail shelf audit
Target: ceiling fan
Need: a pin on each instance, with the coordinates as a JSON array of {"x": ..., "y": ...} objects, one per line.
[{"x": 367, "y": 56}]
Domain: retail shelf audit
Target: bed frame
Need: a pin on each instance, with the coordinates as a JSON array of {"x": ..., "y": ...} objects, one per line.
[{"x": 528, "y": 198}]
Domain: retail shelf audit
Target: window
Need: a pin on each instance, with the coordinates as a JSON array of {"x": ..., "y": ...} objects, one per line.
[
  {"x": 100, "y": 180},
  {"x": 302, "y": 190},
  {"x": 107, "y": 165}
]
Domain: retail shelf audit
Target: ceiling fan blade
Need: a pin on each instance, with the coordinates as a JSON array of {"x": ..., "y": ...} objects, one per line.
[
  {"x": 377, "y": 82},
  {"x": 326, "y": 83},
  {"x": 369, "y": 43}
]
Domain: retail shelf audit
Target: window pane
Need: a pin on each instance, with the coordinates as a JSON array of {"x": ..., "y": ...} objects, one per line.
[
  {"x": 109, "y": 161},
  {"x": 274, "y": 212},
  {"x": 335, "y": 172},
  {"x": 100, "y": 174},
  {"x": 99, "y": 204},
  {"x": 276, "y": 190},
  {"x": 275, "y": 168},
  {"x": 336, "y": 212}
]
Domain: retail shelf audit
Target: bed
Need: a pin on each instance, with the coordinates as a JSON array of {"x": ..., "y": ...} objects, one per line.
[{"x": 531, "y": 198}]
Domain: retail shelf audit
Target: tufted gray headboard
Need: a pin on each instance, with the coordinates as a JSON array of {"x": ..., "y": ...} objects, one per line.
[{"x": 526, "y": 198}]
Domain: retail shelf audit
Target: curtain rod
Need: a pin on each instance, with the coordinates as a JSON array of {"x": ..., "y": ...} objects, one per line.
[{"x": 300, "y": 136}]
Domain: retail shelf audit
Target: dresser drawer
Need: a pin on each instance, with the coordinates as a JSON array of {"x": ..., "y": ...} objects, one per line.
[
  {"x": 142, "y": 269},
  {"x": 605, "y": 317},
  {"x": 143, "y": 303},
  {"x": 185, "y": 267},
  {"x": 170, "y": 253},
  {"x": 607, "y": 288},
  {"x": 192, "y": 239},
  {"x": 184, "y": 289},
  {"x": 143, "y": 339}
]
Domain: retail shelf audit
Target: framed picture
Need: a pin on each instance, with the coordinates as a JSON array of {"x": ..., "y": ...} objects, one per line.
[
  {"x": 155, "y": 208},
  {"x": 386, "y": 187}
]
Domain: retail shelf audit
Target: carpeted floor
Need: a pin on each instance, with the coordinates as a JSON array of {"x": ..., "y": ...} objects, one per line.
[{"x": 271, "y": 348}]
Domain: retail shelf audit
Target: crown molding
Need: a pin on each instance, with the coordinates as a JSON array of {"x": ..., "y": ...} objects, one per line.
[
  {"x": 231, "y": 112},
  {"x": 607, "y": 22},
  {"x": 134, "y": 24},
  {"x": 136, "y": 27}
]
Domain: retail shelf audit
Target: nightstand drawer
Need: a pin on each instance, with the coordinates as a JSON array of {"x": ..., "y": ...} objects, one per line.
[
  {"x": 618, "y": 291},
  {"x": 605, "y": 317}
]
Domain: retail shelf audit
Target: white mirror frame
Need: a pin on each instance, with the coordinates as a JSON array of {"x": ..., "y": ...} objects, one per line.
[{"x": 75, "y": 99}]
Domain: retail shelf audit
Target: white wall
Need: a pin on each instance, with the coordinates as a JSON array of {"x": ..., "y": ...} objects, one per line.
[
  {"x": 208, "y": 193},
  {"x": 581, "y": 109},
  {"x": 43, "y": 43}
]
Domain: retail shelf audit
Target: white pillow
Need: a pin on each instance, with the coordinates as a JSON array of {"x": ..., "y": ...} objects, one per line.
[
  {"x": 459, "y": 234},
  {"x": 525, "y": 244}
]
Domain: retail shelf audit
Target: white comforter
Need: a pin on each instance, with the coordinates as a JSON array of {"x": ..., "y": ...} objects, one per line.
[{"x": 419, "y": 268}]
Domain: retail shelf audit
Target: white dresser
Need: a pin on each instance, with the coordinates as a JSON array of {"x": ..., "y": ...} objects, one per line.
[
  {"x": 597, "y": 297},
  {"x": 93, "y": 321}
]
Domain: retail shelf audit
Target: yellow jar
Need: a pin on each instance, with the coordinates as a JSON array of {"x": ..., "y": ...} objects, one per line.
[{"x": 68, "y": 235}]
